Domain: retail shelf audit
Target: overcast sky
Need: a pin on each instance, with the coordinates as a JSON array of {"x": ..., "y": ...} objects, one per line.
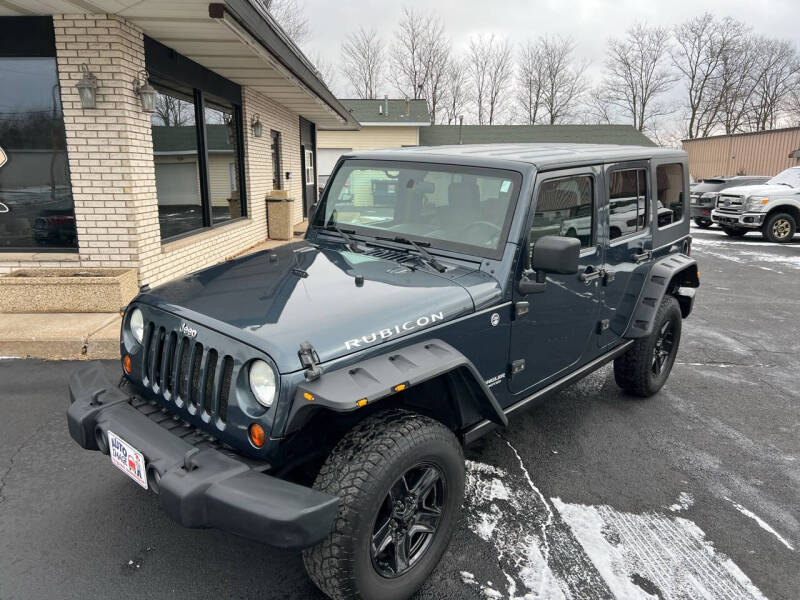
[{"x": 589, "y": 22}]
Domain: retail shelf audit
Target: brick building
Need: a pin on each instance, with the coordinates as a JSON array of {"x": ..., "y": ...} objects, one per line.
[{"x": 169, "y": 190}]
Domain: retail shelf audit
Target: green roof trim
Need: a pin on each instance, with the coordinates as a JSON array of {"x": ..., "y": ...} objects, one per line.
[
  {"x": 446, "y": 135},
  {"x": 374, "y": 111}
]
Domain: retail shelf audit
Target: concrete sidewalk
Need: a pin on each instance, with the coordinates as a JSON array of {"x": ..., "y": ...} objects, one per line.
[{"x": 60, "y": 335}]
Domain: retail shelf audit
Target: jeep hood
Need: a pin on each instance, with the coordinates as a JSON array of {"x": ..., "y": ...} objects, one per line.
[
  {"x": 275, "y": 300},
  {"x": 760, "y": 190}
]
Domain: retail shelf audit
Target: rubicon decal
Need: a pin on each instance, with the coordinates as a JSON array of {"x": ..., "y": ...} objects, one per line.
[{"x": 394, "y": 330}]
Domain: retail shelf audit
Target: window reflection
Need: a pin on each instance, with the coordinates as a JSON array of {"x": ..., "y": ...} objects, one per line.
[
  {"x": 627, "y": 202},
  {"x": 174, "y": 131},
  {"x": 223, "y": 175},
  {"x": 36, "y": 207}
]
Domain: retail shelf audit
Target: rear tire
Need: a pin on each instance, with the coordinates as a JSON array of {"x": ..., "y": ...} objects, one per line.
[
  {"x": 702, "y": 223},
  {"x": 779, "y": 228},
  {"x": 735, "y": 232},
  {"x": 645, "y": 366},
  {"x": 381, "y": 471}
]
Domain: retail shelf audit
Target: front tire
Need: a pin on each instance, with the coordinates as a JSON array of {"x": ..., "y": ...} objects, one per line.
[
  {"x": 780, "y": 228},
  {"x": 400, "y": 481},
  {"x": 645, "y": 366}
]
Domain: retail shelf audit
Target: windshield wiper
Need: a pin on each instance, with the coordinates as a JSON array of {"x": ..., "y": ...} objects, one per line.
[
  {"x": 418, "y": 246},
  {"x": 350, "y": 241}
]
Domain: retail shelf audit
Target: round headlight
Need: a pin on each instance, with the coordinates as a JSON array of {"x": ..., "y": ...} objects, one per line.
[
  {"x": 136, "y": 322},
  {"x": 262, "y": 382}
]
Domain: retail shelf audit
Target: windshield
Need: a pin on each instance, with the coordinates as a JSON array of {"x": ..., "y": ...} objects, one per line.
[
  {"x": 789, "y": 176},
  {"x": 449, "y": 206}
]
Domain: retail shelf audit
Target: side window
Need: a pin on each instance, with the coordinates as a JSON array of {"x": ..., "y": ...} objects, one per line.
[
  {"x": 565, "y": 207},
  {"x": 670, "y": 194},
  {"x": 627, "y": 202}
]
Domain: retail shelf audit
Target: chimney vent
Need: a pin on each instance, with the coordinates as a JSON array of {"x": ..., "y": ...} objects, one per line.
[{"x": 386, "y": 105}]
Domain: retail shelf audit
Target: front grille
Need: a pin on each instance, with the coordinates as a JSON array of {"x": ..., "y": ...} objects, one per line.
[
  {"x": 731, "y": 204},
  {"x": 182, "y": 370}
]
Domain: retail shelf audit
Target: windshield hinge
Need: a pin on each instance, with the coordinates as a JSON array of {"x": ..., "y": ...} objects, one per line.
[{"x": 310, "y": 361}]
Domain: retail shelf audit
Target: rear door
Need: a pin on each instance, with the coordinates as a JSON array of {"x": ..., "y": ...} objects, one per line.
[
  {"x": 627, "y": 234},
  {"x": 554, "y": 334}
]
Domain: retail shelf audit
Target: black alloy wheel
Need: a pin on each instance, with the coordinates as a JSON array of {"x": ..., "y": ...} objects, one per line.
[
  {"x": 407, "y": 520},
  {"x": 662, "y": 349}
]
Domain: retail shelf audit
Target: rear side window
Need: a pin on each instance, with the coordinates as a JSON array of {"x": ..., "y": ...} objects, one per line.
[
  {"x": 627, "y": 202},
  {"x": 670, "y": 194},
  {"x": 564, "y": 207}
]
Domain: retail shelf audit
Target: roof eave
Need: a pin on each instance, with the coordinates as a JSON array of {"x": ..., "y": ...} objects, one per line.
[{"x": 269, "y": 34}]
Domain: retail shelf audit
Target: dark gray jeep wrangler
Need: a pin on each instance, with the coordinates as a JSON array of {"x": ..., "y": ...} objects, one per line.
[{"x": 318, "y": 396}]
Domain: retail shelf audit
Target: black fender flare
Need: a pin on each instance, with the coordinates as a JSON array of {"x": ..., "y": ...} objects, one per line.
[
  {"x": 363, "y": 383},
  {"x": 668, "y": 274}
]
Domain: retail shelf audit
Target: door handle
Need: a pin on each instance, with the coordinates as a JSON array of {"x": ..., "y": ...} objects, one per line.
[
  {"x": 643, "y": 256},
  {"x": 590, "y": 274},
  {"x": 3, "y": 208}
]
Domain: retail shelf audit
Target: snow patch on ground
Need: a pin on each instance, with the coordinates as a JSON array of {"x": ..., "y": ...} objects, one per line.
[
  {"x": 685, "y": 501},
  {"x": 663, "y": 554},
  {"x": 761, "y": 523},
  {"x": 548, "y": 549},
  {"x": 491, "y": 497}
]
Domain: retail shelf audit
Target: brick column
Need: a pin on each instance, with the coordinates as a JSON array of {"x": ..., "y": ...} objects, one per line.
[{"x": 110, "y": 147}]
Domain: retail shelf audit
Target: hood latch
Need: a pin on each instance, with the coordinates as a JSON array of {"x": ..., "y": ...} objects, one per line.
[{"x": 310, "y": 361}]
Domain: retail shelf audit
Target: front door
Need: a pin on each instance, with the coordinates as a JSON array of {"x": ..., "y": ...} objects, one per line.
[
  {"x": 559, "y": 326},
  {"x": 627, "y": 227}
]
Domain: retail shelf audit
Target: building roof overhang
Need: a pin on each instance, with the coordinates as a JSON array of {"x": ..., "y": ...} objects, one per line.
[{"x": 236, "y": 39}]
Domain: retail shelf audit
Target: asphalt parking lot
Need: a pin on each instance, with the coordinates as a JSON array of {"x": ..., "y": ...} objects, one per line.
[{"x": 691, "y": 494}]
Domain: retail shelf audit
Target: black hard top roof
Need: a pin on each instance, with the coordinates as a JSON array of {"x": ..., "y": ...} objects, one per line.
[{"x": 542, "y": 156}]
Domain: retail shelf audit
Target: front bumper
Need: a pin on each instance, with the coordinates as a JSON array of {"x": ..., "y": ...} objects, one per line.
[
  {"x": 198, "y": 487},
  {"x": 745, "y": 220}
]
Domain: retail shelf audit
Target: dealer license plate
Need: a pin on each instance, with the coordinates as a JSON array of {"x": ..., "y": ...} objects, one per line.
[{"x": 127, "y": 459}]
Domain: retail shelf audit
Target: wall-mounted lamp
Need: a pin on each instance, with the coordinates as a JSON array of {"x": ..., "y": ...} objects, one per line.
[
  {"x": 147, "y": 92},
  {"x": 87, "y": 88},
  {"x": 257, "y": 127}
]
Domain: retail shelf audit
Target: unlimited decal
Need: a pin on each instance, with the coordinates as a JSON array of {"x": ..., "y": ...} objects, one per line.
[{"x": 394, "y": 330}]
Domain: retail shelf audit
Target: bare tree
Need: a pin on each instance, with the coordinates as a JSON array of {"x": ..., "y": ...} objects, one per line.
[
  {"x": 701, "y": 47},
  {"x": 737, "y": 83},
  {"x": 414, "y": 51},
  {"x": 456, "y": 94},
  {"x": 435, "y": 86},
  {"x": 490, "y": 69},
  {"x": 564, "y": 82},
  {"x": 530, "y": 82},
  {"x": 776, "y": 76},
  {"x": 291, "y": 16},
  {"x": 637, "y": 74},
  {"x": 326, "y": 70},
  {"x": 363, "y": 62},
  {"x": 172, "y": 112}
]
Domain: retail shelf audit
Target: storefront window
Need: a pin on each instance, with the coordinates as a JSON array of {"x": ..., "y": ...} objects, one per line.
[
  {"x": 223, "y": 175},
  {"x": 36, "y": 207},
  {"x": 197, "y": 167}
]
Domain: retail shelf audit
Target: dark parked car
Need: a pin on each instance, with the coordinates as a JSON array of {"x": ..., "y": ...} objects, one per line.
[
  {"x": 704, "y": 195},
  {"x": 318, "y": 395}
]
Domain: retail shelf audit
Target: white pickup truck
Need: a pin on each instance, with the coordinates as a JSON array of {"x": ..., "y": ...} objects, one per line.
[{"x": 772, "y": 207}]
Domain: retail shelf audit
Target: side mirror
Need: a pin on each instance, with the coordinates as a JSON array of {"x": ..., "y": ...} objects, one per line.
[
  {"x": 551, "y": 254},
  {"x": 556, "y": 254}
]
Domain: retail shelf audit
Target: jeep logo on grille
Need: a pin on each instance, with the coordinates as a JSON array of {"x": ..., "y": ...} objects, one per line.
[{"x": 188, "y": 331}]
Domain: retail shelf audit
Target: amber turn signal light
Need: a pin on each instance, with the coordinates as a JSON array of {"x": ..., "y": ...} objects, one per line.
[
  {"x": 257, "y": 435},
  {"x": 126, "y": 363}
]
